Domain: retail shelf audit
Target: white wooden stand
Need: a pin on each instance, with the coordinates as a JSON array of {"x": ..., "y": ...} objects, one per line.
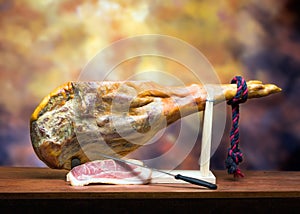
[{"x": 204, "y": 173}]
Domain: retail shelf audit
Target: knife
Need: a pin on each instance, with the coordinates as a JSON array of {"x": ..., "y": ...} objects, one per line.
[{"x": 190, "y": 180}]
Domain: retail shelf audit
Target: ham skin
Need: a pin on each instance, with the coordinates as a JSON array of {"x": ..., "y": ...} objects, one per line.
[
  {"x": 109, "y": 172},
  {"x": 126, "y": 114}
]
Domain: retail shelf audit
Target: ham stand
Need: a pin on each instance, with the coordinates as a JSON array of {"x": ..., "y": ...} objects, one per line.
[{"x": 204, "y": 173}]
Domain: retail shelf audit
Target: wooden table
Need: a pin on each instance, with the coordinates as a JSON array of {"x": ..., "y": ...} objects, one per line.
[{"x": 39, "y": 189}]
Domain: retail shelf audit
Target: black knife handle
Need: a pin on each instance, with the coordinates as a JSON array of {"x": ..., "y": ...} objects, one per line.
[{"x": 196, "y": 181}]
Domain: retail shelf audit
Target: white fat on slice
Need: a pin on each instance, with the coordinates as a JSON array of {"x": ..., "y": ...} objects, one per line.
[{"x": 109, "y": 172}]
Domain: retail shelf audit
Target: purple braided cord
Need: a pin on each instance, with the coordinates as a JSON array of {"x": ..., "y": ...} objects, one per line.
[{"x": 234, "y": 156}]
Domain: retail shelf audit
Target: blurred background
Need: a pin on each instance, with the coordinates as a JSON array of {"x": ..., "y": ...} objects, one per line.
[{"x": 46, "y": 43}]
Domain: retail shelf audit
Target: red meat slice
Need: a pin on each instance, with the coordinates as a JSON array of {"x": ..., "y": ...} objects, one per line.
[{"x": 109, "y": 172}]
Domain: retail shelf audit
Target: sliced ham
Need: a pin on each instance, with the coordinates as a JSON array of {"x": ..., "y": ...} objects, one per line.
[{"x": 109, "y": 172}]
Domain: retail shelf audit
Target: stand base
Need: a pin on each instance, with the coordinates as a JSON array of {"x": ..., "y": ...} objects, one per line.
[{"x": 158, "y": 177}]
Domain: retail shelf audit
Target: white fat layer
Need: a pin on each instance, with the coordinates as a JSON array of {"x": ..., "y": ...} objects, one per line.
[{"x": 143, "y": 178}]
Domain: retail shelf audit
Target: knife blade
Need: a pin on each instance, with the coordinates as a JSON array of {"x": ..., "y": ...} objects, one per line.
[{"x": 190, "y": 180}]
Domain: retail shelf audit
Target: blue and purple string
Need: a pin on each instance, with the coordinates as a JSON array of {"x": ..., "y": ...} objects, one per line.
[{"x": 235, "y": 156}]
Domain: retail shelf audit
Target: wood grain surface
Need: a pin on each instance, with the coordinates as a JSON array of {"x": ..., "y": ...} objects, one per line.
[
  {"x": 49, "y": 183},
  {"x": 35, "y": 189}
]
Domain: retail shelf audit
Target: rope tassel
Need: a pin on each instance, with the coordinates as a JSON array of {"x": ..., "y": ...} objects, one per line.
[{"x": 235, "y": 156}]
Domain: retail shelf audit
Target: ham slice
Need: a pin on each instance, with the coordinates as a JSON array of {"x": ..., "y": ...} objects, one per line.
[{"x": 109, "y": 172}]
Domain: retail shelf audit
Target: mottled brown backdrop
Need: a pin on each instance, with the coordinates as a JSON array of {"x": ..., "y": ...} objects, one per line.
[{"x": 46, "y": 43}]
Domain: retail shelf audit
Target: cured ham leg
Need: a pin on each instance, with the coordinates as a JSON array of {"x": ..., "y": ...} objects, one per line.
[{"x": 116, "y": 117}]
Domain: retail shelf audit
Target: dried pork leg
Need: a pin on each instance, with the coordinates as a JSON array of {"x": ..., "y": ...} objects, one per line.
[{"x": 116, "y": 117}]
